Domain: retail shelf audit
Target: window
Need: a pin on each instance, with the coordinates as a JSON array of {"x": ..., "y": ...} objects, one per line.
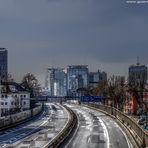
[
  {"x": 24, "y": 96},
  {"x": 11, "y": 103},
  {"x": 6, "y": 103},
  {"x": 2, "y": 103},
  {"x": 24, "y": 103}
]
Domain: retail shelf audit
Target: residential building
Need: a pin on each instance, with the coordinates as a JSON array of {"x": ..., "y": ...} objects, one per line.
[
  {"x": 77, "y": 77},
  {"x": 3, "y": 64},
  {"x": 130, "y": 105},
  {"x": 145, "y": 99},
  {"x": 13, "y": 98}
]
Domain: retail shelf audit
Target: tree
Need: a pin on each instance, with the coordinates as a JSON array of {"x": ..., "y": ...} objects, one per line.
[
  {"x": 101, "y": 88},
  {"x": 30, "y": 83},
  {"x": 117, "y": 91},
  {"x": 114, "y": 88},
  {"x": 10, "y": 78}
]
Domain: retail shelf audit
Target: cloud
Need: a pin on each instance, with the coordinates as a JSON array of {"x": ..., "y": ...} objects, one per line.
[{"x": 100, "y": 33}]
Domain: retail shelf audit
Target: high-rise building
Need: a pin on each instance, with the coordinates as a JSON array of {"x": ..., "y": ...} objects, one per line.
[
  {"x": 3, "y": 64},
  {"x": 138, "y": 75},
  {"x": 95, "y": 77},
  {"x": 56, "y": 82},
  {"x": 77, "y": 77},
  {"x": 49, "y": 82}
]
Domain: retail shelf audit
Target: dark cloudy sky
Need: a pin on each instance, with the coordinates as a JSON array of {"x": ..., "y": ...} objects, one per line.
[{"x": 105, "y": 34}]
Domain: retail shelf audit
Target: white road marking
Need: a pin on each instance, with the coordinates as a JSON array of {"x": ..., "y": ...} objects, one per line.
[
  {"x": 106, "y": 132},
  {"x": 128, "y": 142}
]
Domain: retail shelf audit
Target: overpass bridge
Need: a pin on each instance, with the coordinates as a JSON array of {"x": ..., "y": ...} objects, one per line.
[{"x": 53, "y": 98}]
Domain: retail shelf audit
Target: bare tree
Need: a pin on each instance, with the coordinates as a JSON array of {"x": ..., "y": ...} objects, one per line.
[
  {"x": 113, "y": 88},
  {"x": 117, "y": 91},
  {"x": 10, "y": 78},
  {"x": 30, "y": 83}
]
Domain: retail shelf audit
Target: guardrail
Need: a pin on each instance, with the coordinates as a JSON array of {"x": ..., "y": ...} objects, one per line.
[
  {"x": 139, "y": 134},
  {"x": 64, "y": 133}
]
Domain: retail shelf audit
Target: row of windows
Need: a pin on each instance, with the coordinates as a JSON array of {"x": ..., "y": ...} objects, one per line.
[
  {"x": 6, "y": 103},
  {"x": 12, "y": 103},
  {"x": 5, "y": 96},
  {"x": 2, "y": 103}
]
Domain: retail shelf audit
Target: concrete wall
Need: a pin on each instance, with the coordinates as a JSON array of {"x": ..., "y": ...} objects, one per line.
[{"x": 16, "y": 118}]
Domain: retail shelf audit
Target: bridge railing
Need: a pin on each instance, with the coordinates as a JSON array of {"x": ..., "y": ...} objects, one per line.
[{"x": 139, "y": 134}]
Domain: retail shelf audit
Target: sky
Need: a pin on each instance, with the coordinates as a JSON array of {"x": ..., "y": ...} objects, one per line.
[{"x": 104, "y": 34}]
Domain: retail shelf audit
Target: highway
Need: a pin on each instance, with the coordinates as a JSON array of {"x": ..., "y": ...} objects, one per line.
[
  {"x": 96, "y": 130},
  {"x": 37, "y": 132}
]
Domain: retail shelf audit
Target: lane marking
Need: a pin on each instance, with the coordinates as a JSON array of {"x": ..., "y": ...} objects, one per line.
[
  {"x": 127, "y": 140},
  {"x": 106, "y": 132}
]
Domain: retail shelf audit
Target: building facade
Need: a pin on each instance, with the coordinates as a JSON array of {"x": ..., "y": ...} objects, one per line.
[
  {"x": 3, "y": 64},
  {"x": 95, "y": 77},
  {"x": 13, "y": 98},
  {"x": 130, "y": 105},
  {"x": 77, "y": 77},
  {"x": 56, "y": 82},
  {"x": 138, "y": 75}
]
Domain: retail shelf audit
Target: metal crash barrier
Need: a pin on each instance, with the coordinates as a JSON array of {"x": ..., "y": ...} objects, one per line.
[{"x": 64, "y": 133}]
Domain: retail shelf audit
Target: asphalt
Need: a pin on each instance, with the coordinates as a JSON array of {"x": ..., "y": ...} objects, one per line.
[
  {"x": 96, "y": 130},
  {"x": 37, "y": 132}
]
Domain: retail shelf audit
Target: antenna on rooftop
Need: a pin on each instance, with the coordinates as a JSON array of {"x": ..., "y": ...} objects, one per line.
[{"x": 138, "y": 63}]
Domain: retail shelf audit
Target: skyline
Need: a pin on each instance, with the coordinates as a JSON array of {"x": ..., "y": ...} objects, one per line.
[{"x": 104, "y": 35}]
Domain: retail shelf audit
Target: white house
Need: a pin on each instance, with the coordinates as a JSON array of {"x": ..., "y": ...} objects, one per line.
[{"x": 13, "y": 98}]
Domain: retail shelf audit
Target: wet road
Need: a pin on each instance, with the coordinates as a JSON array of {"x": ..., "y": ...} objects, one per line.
[
  {"x": 37, "y": 132},
  {"x": 97, "y": 130}
]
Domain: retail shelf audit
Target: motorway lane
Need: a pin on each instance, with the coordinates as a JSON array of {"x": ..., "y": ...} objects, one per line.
[
  {"x": 38, "y": 131},
  {"x": 97, "y": 130}
]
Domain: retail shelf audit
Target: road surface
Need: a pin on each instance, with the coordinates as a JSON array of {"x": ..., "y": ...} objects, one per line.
[
  {"x": 96, "y": 130},
  {"x": 37, "y": 132}
]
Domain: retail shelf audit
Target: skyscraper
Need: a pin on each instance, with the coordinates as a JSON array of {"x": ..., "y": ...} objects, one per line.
[
  {"x": 56, "y": 81},
  {"x": 77, "y": 77},
  {"x": 138, "y": 75},
  {"x": 3, "y": 64}
]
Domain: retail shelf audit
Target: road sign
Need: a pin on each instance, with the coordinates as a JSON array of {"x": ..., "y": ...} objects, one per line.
[{"x": 91, "y": 98}]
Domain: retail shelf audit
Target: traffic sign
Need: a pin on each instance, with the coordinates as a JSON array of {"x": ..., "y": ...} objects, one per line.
[{"x": 91, "y": 98}]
